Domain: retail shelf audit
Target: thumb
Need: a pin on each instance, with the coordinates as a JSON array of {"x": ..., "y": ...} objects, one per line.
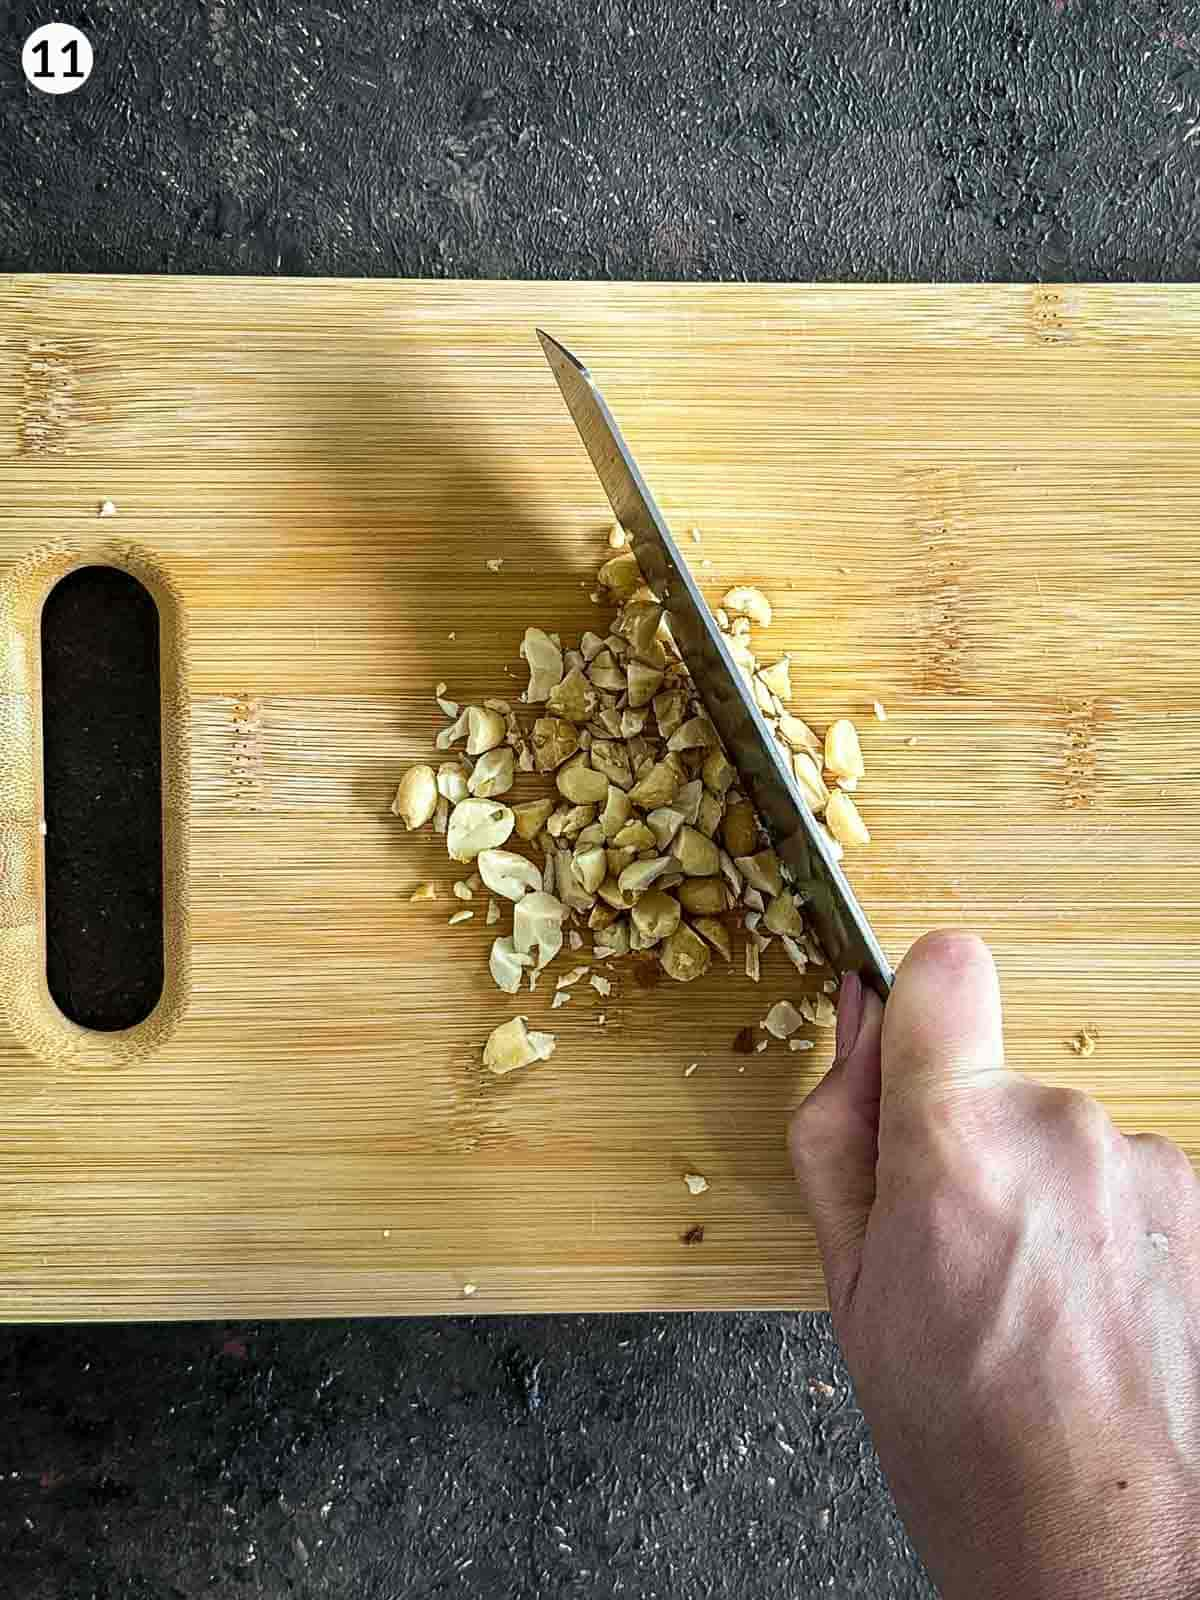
[
  {"x": 834, "y": 1140},
  {"x": 942, "y": 1036}
]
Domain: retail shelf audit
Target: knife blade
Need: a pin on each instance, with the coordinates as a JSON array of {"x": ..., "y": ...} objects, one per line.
[{"x": 830, "y": 904}]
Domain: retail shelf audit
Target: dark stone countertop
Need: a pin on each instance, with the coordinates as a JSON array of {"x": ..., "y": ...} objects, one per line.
[{"x": 696, "y": 1457}]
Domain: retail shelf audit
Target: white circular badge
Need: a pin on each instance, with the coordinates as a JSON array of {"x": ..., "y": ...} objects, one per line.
[{"x": 57, "y": 59}]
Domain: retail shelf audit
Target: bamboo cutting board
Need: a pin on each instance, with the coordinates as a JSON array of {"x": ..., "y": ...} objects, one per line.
[{"x": 976, "y": 505}]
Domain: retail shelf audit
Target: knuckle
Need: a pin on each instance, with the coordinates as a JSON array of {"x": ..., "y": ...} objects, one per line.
[
  {"x": 812, "y": 1127},
  {"x": 1168, "y": 1159},
  {"x": 801, "y": 1130},
  {"x": 1079, "y": 1117}
]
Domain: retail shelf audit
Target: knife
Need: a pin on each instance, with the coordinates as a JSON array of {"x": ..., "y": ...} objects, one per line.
[{"x": 830, "y": 906}]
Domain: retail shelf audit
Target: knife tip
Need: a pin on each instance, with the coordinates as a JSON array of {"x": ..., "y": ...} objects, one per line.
[{"x": 553, "y": 350}]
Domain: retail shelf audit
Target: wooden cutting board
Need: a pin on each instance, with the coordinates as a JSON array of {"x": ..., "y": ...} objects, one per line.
[{"x": 978, "y": 506}]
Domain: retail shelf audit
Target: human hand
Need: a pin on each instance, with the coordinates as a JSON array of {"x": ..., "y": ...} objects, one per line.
[{"x": 1016, "y": 1287}]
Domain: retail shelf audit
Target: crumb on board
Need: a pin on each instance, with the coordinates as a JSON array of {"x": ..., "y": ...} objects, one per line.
[
  {"x": 469, "y": 1289},
  {"x": 695, "y": 1183},
  {"x": 801, "y": 1044},
  {"x": 107, "y": 509},
  {"x": 1084, "y": 1042},
  {"x": 459, "y": 916},
  {"x": 424, "y": 891},
  {"x": 782, "y": 1020},
  {"x": 693, "y": 1235},
  {"x": 818, "y": 1009},
  {"x": 911, "y": 741},
  {"x": 494, "y": 564},
  {"x": 880, "y": 713},
  {"x": 690, "y": 1068}
]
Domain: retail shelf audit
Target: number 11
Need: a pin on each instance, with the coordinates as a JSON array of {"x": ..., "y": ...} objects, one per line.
[{"x": 70, "y": 50}]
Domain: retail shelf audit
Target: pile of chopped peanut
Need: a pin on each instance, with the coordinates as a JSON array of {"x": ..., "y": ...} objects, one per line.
[{"x": 644, "y": 842}]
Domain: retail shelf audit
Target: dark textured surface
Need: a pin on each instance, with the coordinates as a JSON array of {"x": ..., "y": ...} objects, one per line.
[
  {"x": 648, "y": 1457},
  {"x": 581, "y": 138},
  {"x": 651, "y": 1457}
]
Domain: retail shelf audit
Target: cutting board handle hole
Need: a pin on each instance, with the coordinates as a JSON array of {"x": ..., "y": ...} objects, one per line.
[
  {"x": 95, "y": 802},
  {"x": 102, "y": 783}
]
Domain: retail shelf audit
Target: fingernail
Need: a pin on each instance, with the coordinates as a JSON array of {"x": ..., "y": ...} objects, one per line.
[{"x": 849, "y": 1014}]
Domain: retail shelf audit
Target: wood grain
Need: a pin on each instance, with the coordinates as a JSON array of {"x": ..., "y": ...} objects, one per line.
[{"x": 978, "y": 506}]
